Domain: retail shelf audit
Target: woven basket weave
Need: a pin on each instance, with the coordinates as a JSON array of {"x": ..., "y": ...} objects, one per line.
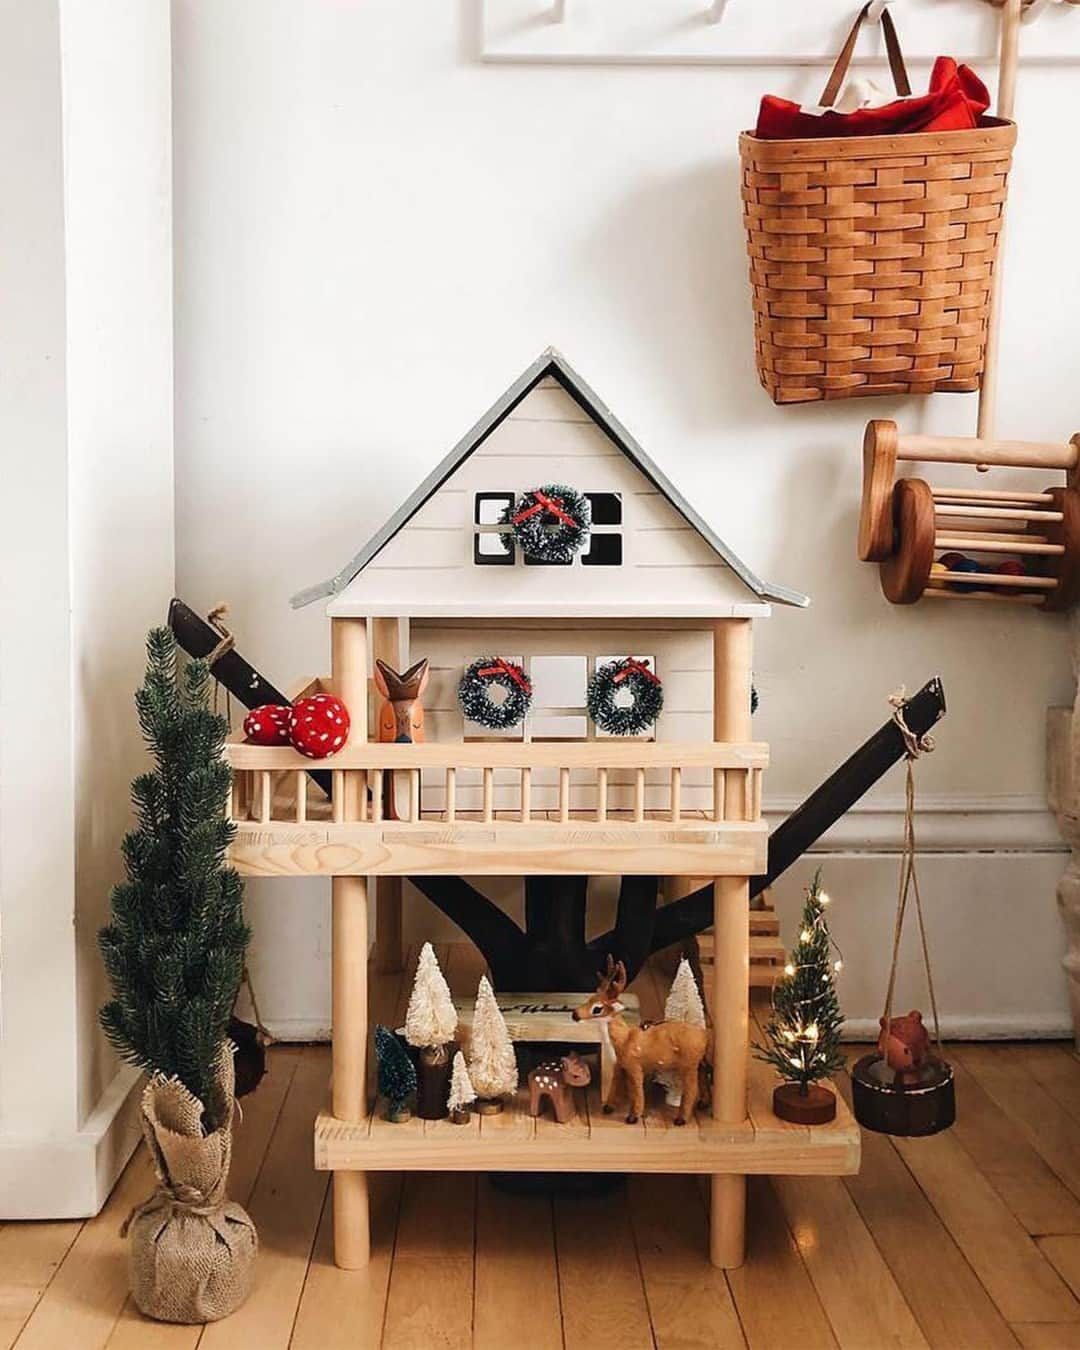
[{"x": 871, "y": 259}]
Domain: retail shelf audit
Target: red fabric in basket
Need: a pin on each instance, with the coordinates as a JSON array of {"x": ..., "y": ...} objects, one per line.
[{"x": 956, "y": 102}]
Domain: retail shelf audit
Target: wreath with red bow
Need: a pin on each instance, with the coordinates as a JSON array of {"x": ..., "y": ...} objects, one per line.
[
  {"x": 607, "y": 692},
  {"x": 551, "y": 523},
  {"x": 477, "y": 684}
]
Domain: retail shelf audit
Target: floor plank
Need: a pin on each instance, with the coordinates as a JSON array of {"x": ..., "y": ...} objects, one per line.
[
  {"x": 1063, "y": 1252},
  {"x": 1050, "y": 1128},
  {"x": 517, "y": 1279},
  {"x": 1005, "y": 1155},
  {"x": 861, "y": 1298},
  {"x": 600, "y": 1285},
  {"x": 690, "y": 1304},
  {"x": 30, "y": 1255},
  {"x": 1055, "y": 1066},
  {"x": 345, "y": 1309},
  {"x": 285, "y": 1204},
  {"x": 775, "y": 1299},
  {"x": 1048, "y": 1335},
  {"x": 921, "y": 1254},
  {"x": 82, "y": 1302}
]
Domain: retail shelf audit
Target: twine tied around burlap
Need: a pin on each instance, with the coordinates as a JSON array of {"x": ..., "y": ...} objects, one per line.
[
  {"x": 914, "y": 746},
  {"x": 192, "y": 1252}
]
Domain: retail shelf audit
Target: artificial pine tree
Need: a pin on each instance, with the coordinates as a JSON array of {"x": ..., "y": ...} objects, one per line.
[
  {"x": 462, "y": 1092},
  {"x": 492, "y": 1065},
  {"x": 174, "y": 946},
  {"x": 397, "y": 1076},
  {"x": 804, "y": 1030},
  {"x": 683, "y": 1005}
]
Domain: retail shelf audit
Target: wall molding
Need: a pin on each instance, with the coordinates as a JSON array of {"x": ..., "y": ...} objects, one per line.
[
  {"x": 943, "y": 824},
  {"x": 71, "y": 1176}
]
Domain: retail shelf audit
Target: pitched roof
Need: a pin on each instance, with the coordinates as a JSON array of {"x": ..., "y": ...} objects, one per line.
[{"x": 548, "y": 364}]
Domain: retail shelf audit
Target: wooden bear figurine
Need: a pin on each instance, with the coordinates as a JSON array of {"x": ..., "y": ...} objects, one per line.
[
  {"x": 905, "y": 1043},
  {"x": 555, "y": 1078}
]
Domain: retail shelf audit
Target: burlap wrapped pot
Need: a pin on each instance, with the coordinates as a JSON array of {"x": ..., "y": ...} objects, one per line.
[{"x": 192, "y": 1252}]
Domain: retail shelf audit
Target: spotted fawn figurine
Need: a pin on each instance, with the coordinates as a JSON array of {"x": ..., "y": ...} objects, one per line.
[
  {"x": 676, "y": 1047},
  {"x": 555, "y": 1078}
]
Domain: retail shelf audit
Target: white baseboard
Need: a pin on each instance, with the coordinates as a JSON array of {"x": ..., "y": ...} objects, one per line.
[
  {"x": 70, "y": 1177},
  {"x": 1028, "y": 1028}
]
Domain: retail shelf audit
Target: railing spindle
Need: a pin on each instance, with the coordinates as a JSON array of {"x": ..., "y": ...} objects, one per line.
[
  {"x": 489, "y": 794},
  {"x": 414, "y": 795},
  {"x": 451, "y": 792},
  {"x": 564, "y": 795},
  {"x": 719, "y": 783},
  {"x": 639, "y": 795},
  {"x": 266, "y": 794},
  {"x": 601, "y": 794},
  {"x": 676, "y": 794},
  {"x": 377, "y": 795},
  {"x": 526, "y": 794},
  {"x": 337, "y": 787},
  {"x": 755, "y": 783},
  {"x": 301, "y": 796}
]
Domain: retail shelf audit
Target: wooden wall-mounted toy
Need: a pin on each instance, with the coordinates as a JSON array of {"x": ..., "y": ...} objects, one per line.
[{"x": 1027, "y": 543}]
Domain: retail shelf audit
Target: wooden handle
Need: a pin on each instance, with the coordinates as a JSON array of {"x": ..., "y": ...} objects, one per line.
[
  {"x": 984, "y": 450},
  {"x": 843, "y": 61}
]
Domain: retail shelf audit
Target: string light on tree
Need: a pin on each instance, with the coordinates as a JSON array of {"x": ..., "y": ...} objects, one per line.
[{"x": 803, "y": 1034}]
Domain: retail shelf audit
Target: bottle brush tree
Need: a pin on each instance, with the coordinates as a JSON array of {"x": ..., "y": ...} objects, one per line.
[
  {"x": 492, "y": 1065},
  {"x": 397, "y": 1076},
  {"x": 803, "y": 1033},
  {"x": 462, "y": 1093},
  {"x": 683, "y": 1005},
  {"x": 431, "y": 1018},
  {"x": 174, "y": 946}
]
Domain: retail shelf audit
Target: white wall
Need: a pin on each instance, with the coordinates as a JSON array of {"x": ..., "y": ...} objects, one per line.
[
  {"x": 86, "y": 550},
  {"x": 375, "y": 234}
]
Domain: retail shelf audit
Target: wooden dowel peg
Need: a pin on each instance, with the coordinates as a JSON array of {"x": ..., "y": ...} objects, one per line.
[
  {"x": 676, "y": 794},
  {"x": 489, "y": 794},
  {"x": 526, "y": 794},
  {"x": 564, "y": 795},
  {"x": 377, "y": 795},
  {"x": 719, "y": 793},
  {"x": 1000, "y": 513},
  {"x": 266, "y": 795},
  {"x": 639, "y": 794},
  {"x": 986, "y": 544},
  {"x": 338, "y": 799},
  {"x": 301, "y": 796},
  {"x": 936, "y": 593},
  {"x": 451, "y": 793},
  {"x": 756, "y": 780},
  {"x": 925, "y": 449},
  {"x": 978, "y": 495},
  {"x": 997, "y": 579},
  {"x": 601, "y": 794},
  {"x": 414, "y": 795}
]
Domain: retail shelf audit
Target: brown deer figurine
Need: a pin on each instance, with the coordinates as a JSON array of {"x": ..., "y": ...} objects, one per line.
[
  {"x": 555, "y": 1078},
  {"x": 401, "y": 719},
  {"x": 674, "y": 1046}
]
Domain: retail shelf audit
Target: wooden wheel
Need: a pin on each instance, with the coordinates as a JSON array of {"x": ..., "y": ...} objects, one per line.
[
  {"x": 904, "y": 575},
  {"x": 879, "y": 470},
  {"x": 1066, "y": 567}
]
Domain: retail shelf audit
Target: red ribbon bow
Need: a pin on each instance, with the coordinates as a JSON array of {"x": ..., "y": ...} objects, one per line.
[
  {"x": 542, "y": 502},
  {"x": 501, "y": 667},
  {"x": 632, "y": 666}
]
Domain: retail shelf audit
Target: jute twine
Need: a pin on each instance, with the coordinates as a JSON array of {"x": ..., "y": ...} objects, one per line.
[
  {"x": 226, "y": 643},
  {"x": 192, "y": 1252},
  {"x": 914, "y": 746}
]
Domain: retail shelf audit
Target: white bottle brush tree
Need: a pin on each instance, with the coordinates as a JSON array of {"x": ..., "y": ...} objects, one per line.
[
  {"x": 431, "y": 1018},
  {"x": 492, "y": 1066},
  {"x": 462, "y": 1093},
  {"x": 683, "y": 1005}
]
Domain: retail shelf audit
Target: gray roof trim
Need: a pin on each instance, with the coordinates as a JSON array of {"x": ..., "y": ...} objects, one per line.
[{"x": 547, "y": 363}]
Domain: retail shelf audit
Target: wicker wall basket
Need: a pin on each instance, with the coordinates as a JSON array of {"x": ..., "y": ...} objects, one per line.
[{"x": 872, "y": 257}]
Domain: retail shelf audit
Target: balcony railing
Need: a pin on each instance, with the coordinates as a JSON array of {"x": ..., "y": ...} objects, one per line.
[{"x": 603, "y": 782}]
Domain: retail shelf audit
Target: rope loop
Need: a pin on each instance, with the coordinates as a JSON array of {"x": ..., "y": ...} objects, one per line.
[{"x": 914, "y": 746}]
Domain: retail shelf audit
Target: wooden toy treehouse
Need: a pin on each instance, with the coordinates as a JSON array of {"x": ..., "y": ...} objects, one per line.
[{"x": 653, "y": 594}]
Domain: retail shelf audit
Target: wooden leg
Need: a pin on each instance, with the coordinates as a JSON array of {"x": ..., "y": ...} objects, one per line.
[
  {"x": 349, "y": 1056},
  {"x": 388, "y": 952},
  {"x": 730, "y": 1018}
]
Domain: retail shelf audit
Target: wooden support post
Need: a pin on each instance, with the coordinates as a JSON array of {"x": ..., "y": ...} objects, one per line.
[
  {"x": 349, "y": 960},
  {"x": 386, "y": 645},
  {"x": 731, "y": 962}
]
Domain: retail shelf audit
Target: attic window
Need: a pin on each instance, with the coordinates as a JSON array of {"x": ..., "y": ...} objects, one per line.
[{"x": 491, "y": 546}]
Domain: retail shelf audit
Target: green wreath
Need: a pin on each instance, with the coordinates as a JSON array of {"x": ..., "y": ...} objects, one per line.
[
  {"x": 635, "y": 678},
  {"x": 551, "y": 523},
  {"x": 474, "y": 693}
]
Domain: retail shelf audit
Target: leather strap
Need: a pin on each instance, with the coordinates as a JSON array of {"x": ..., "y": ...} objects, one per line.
[{"x": 843, "y": 61}]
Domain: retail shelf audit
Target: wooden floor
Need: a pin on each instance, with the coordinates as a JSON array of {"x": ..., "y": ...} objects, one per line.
[{"x": 970, "y": 1239}]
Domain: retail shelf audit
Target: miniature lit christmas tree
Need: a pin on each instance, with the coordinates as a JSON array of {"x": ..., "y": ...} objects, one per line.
[
  {"x": 430, "y": 1024},
  {"x": 804, "y": 1030},
  {"x": 492, "y": 1066},
  {"x": 683, "y": 1005},
  {"x": 462, "y": 1092},
  {"x": 397, "y": 1077}
]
